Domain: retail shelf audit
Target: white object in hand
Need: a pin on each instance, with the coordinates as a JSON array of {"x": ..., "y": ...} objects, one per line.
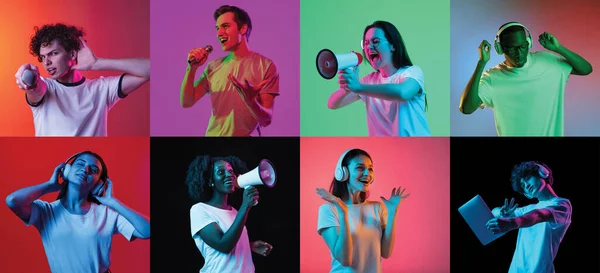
[{"x": 29, "y": 77}]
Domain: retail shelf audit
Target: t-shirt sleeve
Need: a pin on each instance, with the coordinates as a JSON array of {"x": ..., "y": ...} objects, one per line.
[
  {"x": 561, "y": 212},
  {"x": 416, "y": 73},
  {"x": 113, "y": 86},
  {"x": 365, "y": 80},
  {"x": 124, "y": 227},
  {"x": 383, "y": 214},
  {"x": 485, "y": 90},
  {"x": 562, "y": 64},
  {"x": 39, "y": 210},
  {"x": 199, "y": 218},
  {"x": 50, "y": 87},
  {"x": 202, "y": 82},
  {"x": 328, "y": 217},
  {"x": 272, "y": 77}
]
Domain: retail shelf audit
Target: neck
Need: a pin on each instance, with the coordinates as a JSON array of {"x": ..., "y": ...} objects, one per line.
[
  {"x": 242, "y": 50},
  {"x": 547, "y": 193},
  {"x": 353, "y": 197},
  {"x": 219, "y": 200},
  {"x": 71, "y": 77},
  {"x": 75, "y": 200},
  {"x": 388, "y": 70}
]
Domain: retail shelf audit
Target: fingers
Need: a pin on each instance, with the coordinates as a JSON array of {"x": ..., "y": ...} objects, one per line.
[
  {"x": 262, "y": 84},
  {"x": 235, "y": 81},
  {"x": 505, "y": 203},
  {"x": 485, "y": 45},
  {"x": 83, "y": 43}
]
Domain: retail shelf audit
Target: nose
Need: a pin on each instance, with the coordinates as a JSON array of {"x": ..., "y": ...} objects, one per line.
[{"x": 47, "y": 61}]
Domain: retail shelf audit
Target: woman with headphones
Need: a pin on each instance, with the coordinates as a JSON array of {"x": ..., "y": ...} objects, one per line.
[
  {"x": 217, "y": 228},
  {"x": 77, "y": 228},
  {"x": 358, "y": 232},
  {"x": 394, "y": 94}
]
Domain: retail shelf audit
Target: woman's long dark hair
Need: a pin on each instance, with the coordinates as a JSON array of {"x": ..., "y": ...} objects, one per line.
[
  {"x": 200, "y": 174},
  {"x": 103, "y": 176},
  {"x": 340, "y": 188}
]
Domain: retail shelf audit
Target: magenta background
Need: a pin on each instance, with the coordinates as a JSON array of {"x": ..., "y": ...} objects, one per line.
[{"x": 178, "y": 26}]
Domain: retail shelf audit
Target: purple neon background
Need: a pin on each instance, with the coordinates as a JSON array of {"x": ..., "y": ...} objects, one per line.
[
  {"x": 573, "y": 23},
  {"x": 178, "y": 26}
]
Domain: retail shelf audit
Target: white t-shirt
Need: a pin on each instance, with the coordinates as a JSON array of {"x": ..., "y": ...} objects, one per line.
[
  {"x": 397, "y": 118},
  {"x": 527, "y": 101},
  {"x": 537, "y": 245},
  {"x": 76, "y": 109},
  {"x": 240, "y": 258},
  {"x": 78, "y": 243},
  {"x": 366, "y": 222},
  {"x": 230, "y": 115}
]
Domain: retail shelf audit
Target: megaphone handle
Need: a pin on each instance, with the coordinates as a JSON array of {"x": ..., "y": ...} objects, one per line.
[{"x": 255, "y": 203}]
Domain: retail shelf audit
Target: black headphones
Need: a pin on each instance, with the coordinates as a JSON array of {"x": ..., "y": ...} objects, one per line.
[{"x": 64, "y": 172}]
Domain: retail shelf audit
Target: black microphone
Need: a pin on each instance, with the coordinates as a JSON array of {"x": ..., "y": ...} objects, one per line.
[{"x": 208, "y": 49}]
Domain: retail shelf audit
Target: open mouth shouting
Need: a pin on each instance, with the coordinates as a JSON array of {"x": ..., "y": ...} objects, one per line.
[
  {"x": 374, "y": 57},
  {"x": 51, "y": 71},
  {"x": 223, "y": 40}
]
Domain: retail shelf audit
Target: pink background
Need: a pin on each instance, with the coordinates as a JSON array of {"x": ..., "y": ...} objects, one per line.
[{"x": 422, "y": 165}]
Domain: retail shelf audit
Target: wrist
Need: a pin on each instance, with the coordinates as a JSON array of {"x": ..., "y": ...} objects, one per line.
[
  {"x": 100, "y": 64},
  {"x": 360, "y": 88}
]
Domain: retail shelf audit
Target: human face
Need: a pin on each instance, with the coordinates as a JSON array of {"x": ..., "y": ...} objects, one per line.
[
  {"x": 56, "y": 60},
  {"x": 228, "y": 31},
  {"x": 532, "y": 186},
  {"x": 516, "y": 48},
  {"x": 361, "y": 173},
  {"x": 378, "y": 49},
  {"x": 85, "y": 171},
  {"x": 224, "y": 177}
]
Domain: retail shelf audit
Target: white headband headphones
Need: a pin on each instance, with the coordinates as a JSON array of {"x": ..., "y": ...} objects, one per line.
[
  {"x": 497, "y": 44},
  {"x": 341, "y": 172}
]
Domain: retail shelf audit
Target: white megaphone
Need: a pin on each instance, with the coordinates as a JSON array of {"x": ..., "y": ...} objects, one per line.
[
  {"x": 263, "y": 174},
  {"x": 328, "y": 63}
]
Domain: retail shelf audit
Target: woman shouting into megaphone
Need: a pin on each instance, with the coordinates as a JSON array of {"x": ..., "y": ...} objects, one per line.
[{"x": 217, "y": 228}]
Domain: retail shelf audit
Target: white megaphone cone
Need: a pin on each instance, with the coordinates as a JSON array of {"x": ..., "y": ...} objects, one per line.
[
  {"x": 328, "y": 63},
  {"x": 263, "y": 174}
]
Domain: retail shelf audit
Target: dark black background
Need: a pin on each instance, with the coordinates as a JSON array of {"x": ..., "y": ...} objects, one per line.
[
  {"x": 483, "y": 166},
  {"x": 276, "y": 219}
]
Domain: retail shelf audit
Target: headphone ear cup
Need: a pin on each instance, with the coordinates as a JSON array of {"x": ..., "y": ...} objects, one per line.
[
  {"x": 66, "y": 170},
  {"x": 341, "y": 174},
  {"x": 543, "y": 172},
  {"x": 498, "y": 47},
  {"x": 529, "y": 41}
]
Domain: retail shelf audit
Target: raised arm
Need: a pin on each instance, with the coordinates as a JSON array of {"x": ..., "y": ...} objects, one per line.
[
  {"x": 580, "y": 65},
  {"x": 137, "y": 220},
  {"x": 226, "y": 242},
  {"x": 389, "y": 230},
  {"x": 36, "y": 92},
  {"x": 20, "y": 201},
  {"x": 470, "y": 100},
  {"x": 191, "y": 92}
]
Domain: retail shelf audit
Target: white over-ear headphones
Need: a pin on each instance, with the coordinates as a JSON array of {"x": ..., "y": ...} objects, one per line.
[
  {"x": 497, "y": 44},
  {"x": 341, "y": 172},
  {"x": 543, "y": 171}
]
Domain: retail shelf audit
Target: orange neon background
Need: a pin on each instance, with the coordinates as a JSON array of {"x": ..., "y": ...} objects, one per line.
[
  {"x": 421, "y": 165},
  {"x": 114, "y": 29},
  {"x": 30, "y": 161}
]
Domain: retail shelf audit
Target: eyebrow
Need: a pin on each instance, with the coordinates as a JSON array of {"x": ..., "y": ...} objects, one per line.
[
  {"x": 223, "y": 24},
  {"x": 81, "y": 160}
]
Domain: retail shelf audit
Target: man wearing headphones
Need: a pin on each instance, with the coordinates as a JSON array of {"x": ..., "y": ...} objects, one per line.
[
  {"x": 242, "y": 85},
  {"x": 526, "y": 91},
  {"x": 542, "y": 226}
]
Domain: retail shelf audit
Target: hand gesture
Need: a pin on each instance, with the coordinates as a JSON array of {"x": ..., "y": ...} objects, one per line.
[
  {"x": 327, "y": 196},
  {"x": 501, "y": 225},
  {"x": 261, "y": 248},
  {"x": 55, "y": 183},
  {"x": 250, "y": 198},
  {"x": 548, "y": 41},
  {"x": 19, "y": 76},
  {"x": 106, "y": 188},
  {"x": 508, "y": 209},
  {"x": 246, "y": 89},
  {"x": 200, "y": 55},
  {"x": 85, "y": 57},
  {"x": 484, "y": 51},
  {"x": 395, "y": 198},
  {"x": 348, "y": 79}
]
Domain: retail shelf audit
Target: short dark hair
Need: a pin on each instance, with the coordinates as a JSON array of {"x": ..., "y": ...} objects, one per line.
[
  {"x": 511, "y": 29},
  {"x": 527, "y": 169},
  {"x": 200, "y": 174},
  {"x": 241, "y": 17},
  {"x": 340, "y": 188},
  {"x": 66, "y": 35},
  {"x": 103, "y": 175}
]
